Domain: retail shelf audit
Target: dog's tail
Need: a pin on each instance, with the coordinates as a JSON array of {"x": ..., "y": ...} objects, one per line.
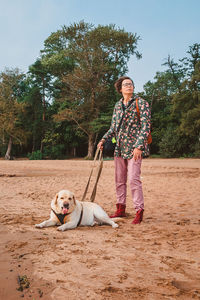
[{"x": 118, "y": 220}]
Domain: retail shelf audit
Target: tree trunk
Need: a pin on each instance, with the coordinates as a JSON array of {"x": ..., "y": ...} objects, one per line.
[
  {"x": 43, "y": 100},
  {"x": 33, "y": 146},
  {"x": 8, "y": 152},
  {"x": 74, "y": 151},
  {"x": 41, "y": 146},
  {"x": 90, "y": 146}
]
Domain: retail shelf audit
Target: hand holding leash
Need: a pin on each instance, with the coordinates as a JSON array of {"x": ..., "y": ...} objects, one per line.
[{"x": 100, "y": 144}]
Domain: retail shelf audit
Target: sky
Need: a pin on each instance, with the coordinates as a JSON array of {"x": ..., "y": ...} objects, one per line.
[{"x": 165, "y": 27}]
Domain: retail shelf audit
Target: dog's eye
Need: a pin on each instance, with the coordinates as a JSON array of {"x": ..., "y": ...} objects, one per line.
[
  {"x": 61, "y": 198},
  {"x": 70, "y": 198}
]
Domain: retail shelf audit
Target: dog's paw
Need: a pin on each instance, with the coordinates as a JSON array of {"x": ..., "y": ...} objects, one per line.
[
  {"x": 39, "y": 225},
  {"x": 61, "y": 228},
  {"x": 115, "y": 225},
  {"x": 94, "y": 224}
]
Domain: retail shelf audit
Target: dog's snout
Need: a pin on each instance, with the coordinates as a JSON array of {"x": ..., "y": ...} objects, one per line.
[{"x": 66, "y": 205}]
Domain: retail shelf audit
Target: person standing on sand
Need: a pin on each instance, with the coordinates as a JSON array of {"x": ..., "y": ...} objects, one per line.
[{"x": 131, "y": 145}]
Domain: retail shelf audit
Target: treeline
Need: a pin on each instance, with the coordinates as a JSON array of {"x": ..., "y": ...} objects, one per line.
[{"x": 64, "y": 103}]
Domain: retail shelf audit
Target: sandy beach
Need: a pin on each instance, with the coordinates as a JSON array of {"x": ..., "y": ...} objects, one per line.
[{"x": 158, "y": 259}]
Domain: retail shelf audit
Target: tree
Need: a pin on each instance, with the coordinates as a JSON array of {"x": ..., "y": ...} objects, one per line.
[
  {"x": 33, "y": 117},
  {"x": 98, "y": 55},
  {"x": 186, "y": 108},
  {"x": 41, "y": 83},
  {"x": 159, "y": 94},
  {"x": 11, "y": 130},
  {"x": 175, "y": 110}
]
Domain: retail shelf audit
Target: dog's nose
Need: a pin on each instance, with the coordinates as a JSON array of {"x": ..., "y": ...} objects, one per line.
[{"x": 66, "y": 205}]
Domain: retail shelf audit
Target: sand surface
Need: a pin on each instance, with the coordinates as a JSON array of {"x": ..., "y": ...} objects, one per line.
[{"x": 158, "y": 259}]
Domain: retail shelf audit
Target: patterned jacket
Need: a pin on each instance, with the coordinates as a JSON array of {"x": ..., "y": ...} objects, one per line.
[{"x": 133, "y": 131}]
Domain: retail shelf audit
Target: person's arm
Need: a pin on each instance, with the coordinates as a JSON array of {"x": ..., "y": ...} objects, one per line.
[{"x": 145, "y": 117}]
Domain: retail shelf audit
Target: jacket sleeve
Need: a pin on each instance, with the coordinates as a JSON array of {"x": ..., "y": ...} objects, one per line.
[
  {"x": 145, "y": 124},
  {"x": 111, "y": 132}
]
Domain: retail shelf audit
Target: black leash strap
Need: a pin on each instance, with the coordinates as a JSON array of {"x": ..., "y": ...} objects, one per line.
[{"x": 81, "y": 215}]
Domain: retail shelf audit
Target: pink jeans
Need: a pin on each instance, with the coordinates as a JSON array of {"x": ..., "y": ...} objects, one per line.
[{"x": 132, "y": 168}]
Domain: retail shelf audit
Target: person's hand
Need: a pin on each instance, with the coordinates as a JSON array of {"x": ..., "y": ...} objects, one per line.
[
  {"x": 100, "y": 144},
  {"x": 137, "y": 154}
]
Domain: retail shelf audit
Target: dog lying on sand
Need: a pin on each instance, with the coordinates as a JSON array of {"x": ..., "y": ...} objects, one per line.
[{"x": 70, "y": 213}]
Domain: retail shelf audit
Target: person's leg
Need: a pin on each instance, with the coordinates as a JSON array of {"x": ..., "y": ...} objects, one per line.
[
  {"x": 120, "y": 182},
  {"x": 134, "y": 171},
  {"x": 120, "y": 179}
]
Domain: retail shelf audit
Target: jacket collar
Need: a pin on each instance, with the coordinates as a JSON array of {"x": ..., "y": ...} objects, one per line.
[{"x": 123, "y": 107}]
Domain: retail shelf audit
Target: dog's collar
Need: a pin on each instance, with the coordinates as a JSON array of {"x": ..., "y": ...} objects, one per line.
[
  {"x": 81, "y": 215},
  {"x": 60, "y": 217}
]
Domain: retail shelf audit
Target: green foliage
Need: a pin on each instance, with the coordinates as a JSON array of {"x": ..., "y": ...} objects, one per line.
[
  {"x": 197, "y": 149},
  {"x": 52, "y": 147},
  {"x": 35, "y": 155},
  {"x": 176, "y": 106},
  {"x": 54, "y": 152},
  {"x": 11, "y": 109},
  {"x": 171, "y": 144}
]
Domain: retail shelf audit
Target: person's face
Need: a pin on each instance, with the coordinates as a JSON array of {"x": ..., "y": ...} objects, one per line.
[{"x": 127, "y": 87}]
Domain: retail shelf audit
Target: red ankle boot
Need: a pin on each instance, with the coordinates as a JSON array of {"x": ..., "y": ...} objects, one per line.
[
  {"x": 120, "y": 212},
  {"x": 138, "y": 217}
]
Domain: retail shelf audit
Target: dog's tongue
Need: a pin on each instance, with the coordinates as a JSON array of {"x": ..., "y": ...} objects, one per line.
[{"x": 65, "y": 210}]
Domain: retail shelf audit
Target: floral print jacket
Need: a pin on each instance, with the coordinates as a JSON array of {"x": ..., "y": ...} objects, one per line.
[{"x": 133, "y": 131}]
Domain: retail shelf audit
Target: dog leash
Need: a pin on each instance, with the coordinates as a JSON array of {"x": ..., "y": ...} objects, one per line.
[{"x": 98, "y": 155}]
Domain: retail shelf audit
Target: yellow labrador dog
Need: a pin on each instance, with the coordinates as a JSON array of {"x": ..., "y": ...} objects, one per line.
[{"x": 70, "y": 213}]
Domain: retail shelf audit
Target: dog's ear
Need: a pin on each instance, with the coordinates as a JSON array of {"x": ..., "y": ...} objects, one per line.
[
  {"x": 55, "y": 199},
  {"x": 74, "y": 200}
]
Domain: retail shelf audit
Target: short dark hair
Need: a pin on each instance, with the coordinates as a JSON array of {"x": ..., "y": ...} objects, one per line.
[{"x": 118, "y": 83}]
